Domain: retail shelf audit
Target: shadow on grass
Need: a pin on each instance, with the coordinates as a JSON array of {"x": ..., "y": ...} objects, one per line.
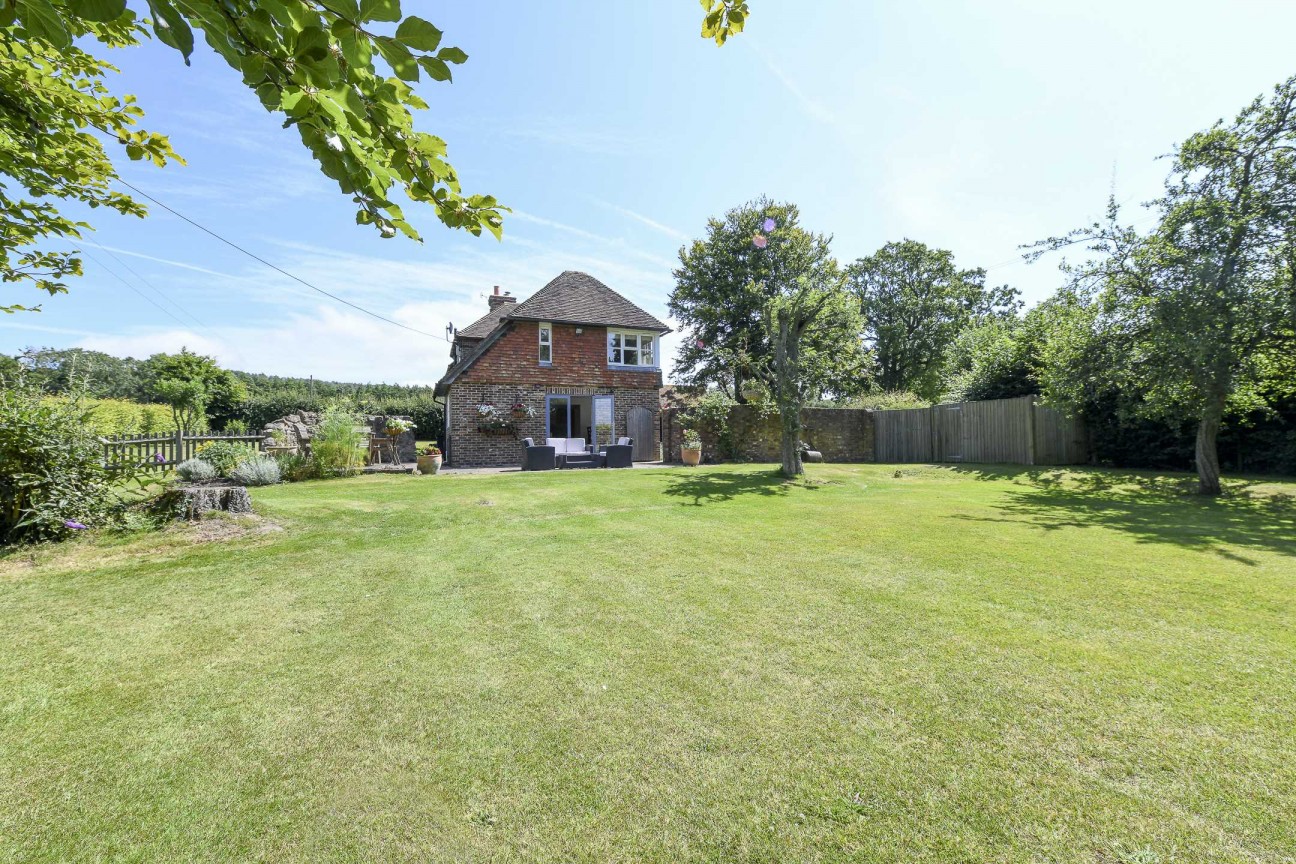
[
  {"x": 706, "y": 487},
  {"x": 1155, "y": 508}
]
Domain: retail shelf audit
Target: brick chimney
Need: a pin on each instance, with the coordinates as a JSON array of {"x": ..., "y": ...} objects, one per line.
[{"x": 497, "y": 298}]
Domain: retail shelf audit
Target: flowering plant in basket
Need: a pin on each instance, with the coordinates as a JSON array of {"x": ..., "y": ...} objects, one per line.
[{"x": 396, "y": 426}]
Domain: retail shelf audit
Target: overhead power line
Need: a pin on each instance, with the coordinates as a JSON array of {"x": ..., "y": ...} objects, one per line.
[
  {"x": 117, "y": 276},
  {"x": 277, "y": 268},
  {"x": 155, "y": 289}
]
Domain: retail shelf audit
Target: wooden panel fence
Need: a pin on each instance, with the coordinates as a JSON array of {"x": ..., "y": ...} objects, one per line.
[
  {"x": 162, "y": 452},
  {"x": 1014, "y": 431}
]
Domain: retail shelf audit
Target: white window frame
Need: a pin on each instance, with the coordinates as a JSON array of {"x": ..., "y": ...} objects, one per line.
[
  {"x": 545, "y": 329},
  {"x": 618, "y": 347}
]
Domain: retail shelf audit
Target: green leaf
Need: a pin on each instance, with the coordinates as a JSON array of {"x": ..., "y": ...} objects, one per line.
[
  {"x": 418, "y": 34},
  {"x": 44, "y": 22},
  {"x": 380, "y": 10},
  {"x": 171, "y": 28},
  {"x": 398, "y": 57},
  {"x": 356, "y": 47},
  {"x": 452, "y": 55},
  {"x": 97, "y": 10},
  {"x": 436, "y": 69},
  {"x": 346, "y": 8},
  {"x": 312, "y": 44}
]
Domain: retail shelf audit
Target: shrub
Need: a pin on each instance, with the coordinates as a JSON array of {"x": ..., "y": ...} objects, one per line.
[
  {"x": 117, "y": 417},
  {"x": 224, "y": 456},
  {"x": 338, "y": 445},
  {"x": 260, "y": 471},
  {"x": 294, "y": 467},
  {"x": 196, "y": 471},
  {"x": 881, "y": 400},
  {"x": 53, "y": 481},
  {"x": 236, "y": 427}
]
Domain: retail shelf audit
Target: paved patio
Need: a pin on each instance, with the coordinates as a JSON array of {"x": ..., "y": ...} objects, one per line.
[{"x": 513, "y": 469}]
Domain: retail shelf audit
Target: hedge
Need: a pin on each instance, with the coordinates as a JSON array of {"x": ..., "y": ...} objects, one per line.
[{"x": 112, "y": 417}]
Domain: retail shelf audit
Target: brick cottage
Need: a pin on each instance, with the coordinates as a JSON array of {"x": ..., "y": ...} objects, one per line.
[{"x": 575, "y": 360}]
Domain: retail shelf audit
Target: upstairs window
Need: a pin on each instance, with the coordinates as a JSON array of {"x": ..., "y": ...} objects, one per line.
[
  {"x": 546, "y": 344},
  {"x": 631, "y": 349}
]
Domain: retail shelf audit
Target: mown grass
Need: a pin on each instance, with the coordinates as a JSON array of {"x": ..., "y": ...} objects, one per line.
[{"x": 879, "y": 663}]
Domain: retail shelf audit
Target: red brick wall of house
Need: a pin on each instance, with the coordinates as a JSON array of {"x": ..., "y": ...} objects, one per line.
[
  {"x": 577, "y": 360},
  {"x": 510, "y": 371}
]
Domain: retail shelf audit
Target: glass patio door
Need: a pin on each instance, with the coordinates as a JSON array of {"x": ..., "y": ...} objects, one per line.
[
  {"x": 557, "y": 417},
  {"x": 601, "y": 425}
]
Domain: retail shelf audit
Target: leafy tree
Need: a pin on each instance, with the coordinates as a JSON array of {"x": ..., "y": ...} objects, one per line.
[
  {"x": 915, "y": 303},
  {"x": 1000, "y": 358},
  {"x": 99, "y": 375},
  {"x": 311, "y": 61},
  {"x": 722, "y": 287},
  {"x": 221, "y": 392},
  {"x": 188, "y": 401},
  {"x": 10, "y": 369},
  {"x": 789, "y": 315},
  {"x": 1195, "y": 316}
]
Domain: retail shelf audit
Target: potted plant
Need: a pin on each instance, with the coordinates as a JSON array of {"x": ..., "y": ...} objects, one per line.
[
  {"x": 522, "y": 412},
  {"x": 397, "y": 426},
  {"x": 691, "y": 449},
  {"x": 429, "y": 459}
]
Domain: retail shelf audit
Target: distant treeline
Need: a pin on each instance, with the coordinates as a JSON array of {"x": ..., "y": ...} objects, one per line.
[{"x": 254, "y": 399}]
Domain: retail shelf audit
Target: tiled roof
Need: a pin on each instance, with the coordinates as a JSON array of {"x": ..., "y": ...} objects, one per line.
[
  {"x": 482, "y": 327},
  {"x": 573, "y": 297}
]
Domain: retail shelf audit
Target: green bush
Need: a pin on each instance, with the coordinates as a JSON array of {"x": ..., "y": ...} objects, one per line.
[
  {"x": 196, "y": 471},
  {"x": 118, "y": 417},
  {"x": 294, "y": 467},
  {"x": 881, "y": 400},
  {"x": 53, "y": 481},
  {"x": 235, "y": 427},
  {"x": 224, "y": 456},
  {"x": 338, "y": 445},
  {"x": 260, "y": 471}
]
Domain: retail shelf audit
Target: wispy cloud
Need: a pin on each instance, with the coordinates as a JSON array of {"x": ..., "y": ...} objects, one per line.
[
  {"x": 585, "y": 134},
  {"x": 168, "y": 261},
  {"x": 651, "y": 223},
  {"x": 811, "y": 106}
]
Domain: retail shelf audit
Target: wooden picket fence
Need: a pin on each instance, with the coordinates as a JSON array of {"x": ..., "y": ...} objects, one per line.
[
  {"x": 161, "y": 452},
  {"x": 1016, "y": 431}
]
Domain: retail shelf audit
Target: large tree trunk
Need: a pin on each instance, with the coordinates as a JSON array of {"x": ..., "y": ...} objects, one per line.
[
  {"x": 1207, "y": 454},
  {"x": 790, "y": 446},
  {"x": 787, "y": 354}
]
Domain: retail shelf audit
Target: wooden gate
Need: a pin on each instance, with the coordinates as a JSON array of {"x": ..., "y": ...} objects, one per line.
[{"x": 639, "y": 426}]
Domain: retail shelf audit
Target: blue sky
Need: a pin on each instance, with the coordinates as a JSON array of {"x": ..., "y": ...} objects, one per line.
[{"x": 614, "y": 131}]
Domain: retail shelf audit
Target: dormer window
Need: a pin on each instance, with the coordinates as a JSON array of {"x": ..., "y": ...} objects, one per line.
[
  {"x": 546, "y": 344},
  {"x": 631, "y": 349}
]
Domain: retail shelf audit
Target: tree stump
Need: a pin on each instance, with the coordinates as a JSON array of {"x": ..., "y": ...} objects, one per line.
[{"x": 191, "y": 502}]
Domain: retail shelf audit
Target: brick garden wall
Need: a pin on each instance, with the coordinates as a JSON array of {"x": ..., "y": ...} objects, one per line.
[{"x": 841, "y": 434}]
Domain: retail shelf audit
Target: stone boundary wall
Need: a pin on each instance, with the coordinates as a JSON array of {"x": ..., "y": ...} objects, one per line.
[{"x": 840, "y": 434}]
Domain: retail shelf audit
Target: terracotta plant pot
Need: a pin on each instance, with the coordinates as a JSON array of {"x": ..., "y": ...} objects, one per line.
[
  {"x": 691, "y": 455},
  {"x": 429, "y": 464}
]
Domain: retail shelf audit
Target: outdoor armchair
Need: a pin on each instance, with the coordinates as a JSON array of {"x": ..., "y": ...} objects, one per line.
[
  {"x": 538, "y": 457},
  {"x": 618, "y": 455}
]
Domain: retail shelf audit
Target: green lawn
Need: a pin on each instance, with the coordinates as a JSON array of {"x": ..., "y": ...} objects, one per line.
[{"x": 927, "y": 664}]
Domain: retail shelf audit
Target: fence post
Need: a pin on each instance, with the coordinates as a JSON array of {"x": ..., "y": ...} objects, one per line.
[
  {"x": 179, "y": 446},
  {"x": 1030, "y": 430}
]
